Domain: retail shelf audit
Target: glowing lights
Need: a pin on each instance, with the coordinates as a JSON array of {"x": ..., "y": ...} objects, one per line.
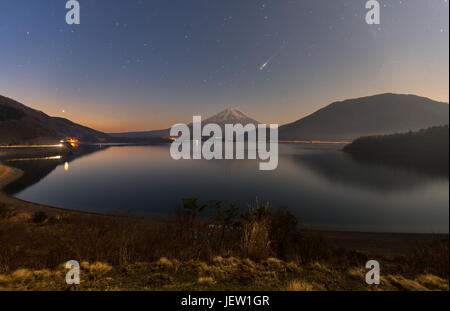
[
  {"x": 34, "y": 159},
  {"x": 66, "y": 166},
  {"x": 34, "y": 146},
  {"x": 72, "y": 141}
]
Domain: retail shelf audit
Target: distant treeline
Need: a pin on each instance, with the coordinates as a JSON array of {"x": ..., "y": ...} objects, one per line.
[{"x": 426, "y": 144}]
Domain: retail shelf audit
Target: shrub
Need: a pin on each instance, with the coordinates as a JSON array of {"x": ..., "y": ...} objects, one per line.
[
  {"x": 39, "y": 217},
  {"x": 431, "y": 256},
  {"x": 4, "y": 211}
]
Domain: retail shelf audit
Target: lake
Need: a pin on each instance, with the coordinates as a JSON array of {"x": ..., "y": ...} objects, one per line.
[{"x": 323, "y": 186}]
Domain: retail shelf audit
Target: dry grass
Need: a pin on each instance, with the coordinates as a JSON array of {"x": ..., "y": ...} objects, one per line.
[
  {"x": 206, "y": 280},
  {"x": 431, "y": 257},
  {"x": 433, "y": 282},
  {"x": 298, "y": 286},
  {"x": 225, "y": 274},
  {"x": 257, "y": 250},
  {"x": 41, "y": 242}
]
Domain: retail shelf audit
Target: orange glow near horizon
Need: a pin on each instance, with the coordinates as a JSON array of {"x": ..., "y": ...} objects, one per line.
[
  {"x": 289, "y": 109},
  {"x": 301, "y": 57}
]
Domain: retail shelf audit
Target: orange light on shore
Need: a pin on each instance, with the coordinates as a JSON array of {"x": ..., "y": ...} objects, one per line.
[
  {"x": 66, "y": 166},
  {"x": 72, "y": 141}
]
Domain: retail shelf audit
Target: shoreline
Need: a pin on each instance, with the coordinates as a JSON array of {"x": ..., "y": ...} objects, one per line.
[
  {"x": 10, "y": 174},
  {"x": 386, "y": 242}
]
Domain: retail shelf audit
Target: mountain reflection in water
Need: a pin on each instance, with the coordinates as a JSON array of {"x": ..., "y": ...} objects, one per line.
[{"x": 323, "y": 186}]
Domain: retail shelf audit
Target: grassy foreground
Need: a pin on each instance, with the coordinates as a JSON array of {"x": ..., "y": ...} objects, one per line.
[
  {"x": 221, "y": 274},
  {"x": 201, "y": 247}
]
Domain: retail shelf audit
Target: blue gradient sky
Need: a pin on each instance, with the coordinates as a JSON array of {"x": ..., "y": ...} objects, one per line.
[{"x": 139, "y": 65}]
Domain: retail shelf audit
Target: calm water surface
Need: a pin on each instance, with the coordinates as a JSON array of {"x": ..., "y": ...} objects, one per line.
[{"x": 324, "y": 187}]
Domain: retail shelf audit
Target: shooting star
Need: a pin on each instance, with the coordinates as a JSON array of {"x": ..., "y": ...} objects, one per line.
[{"x": 263, "y": 66}]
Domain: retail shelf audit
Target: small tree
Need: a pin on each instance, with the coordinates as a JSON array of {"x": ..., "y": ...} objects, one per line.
[{"x": 39, "y": 217}]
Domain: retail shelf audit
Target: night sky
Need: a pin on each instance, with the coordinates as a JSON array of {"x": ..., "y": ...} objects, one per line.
[{"x": 147, "y": 64}]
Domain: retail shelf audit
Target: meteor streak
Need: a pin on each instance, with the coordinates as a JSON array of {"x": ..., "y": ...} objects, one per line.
[{"x": 263, "y": 66}]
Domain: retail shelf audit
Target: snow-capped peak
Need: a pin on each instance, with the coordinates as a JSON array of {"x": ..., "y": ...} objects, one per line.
[{"x": 231, "y": 116}]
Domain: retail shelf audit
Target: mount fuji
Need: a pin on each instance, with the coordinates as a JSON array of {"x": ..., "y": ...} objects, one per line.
[{"x": 227, "y": 116}]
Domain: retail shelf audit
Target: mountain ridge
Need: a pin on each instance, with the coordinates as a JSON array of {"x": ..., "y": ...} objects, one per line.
[
  {"x": 232, "y": 116},
  {"x": 227, "y": 116},
  {"x": 379, "y": 114},
  {"x": 345, "y": 120},
  {"x": 34, "y": 126}
]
